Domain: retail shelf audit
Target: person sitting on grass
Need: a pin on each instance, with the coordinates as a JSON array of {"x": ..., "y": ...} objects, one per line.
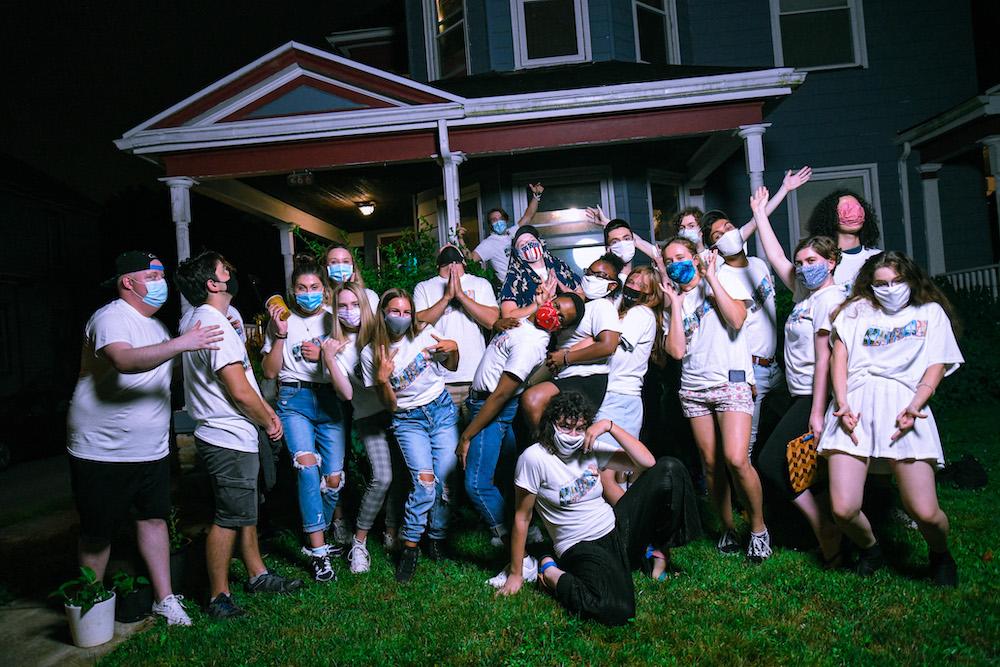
[{"x": 598, "y": 546}]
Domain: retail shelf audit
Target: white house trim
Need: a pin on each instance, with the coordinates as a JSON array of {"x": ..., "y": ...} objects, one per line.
[
  {"x": 981, "y": 105},
  {"x": 671, "y": 34},
  {"x": 431, "y": 35},
  {"x": 857, "y": 34},
  {"x": 239, "y": 195}
]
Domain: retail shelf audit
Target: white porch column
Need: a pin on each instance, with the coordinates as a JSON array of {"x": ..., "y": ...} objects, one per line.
[
  {"x": 180, "y": 211},
  {"x": 753, "y": 148},
  {"x": 286, "y": 236},
  {"x": 993, "y": 144},
  {"x": 452, "y": 195},
  {"x": 932, "y": 217}
]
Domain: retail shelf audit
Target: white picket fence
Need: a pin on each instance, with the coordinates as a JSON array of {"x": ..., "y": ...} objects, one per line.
[{"x": 987, "y": 277}]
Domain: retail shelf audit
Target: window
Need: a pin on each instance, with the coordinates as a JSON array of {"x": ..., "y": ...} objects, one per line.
[
  {"x": 446, "y": 45},
  {"x": 561, "y": 218},
  {"x": 862, "y": 178},
  {"x": 818, "y": 34},
  {"x": 664, "y": 202},
  {"x": 547, "y": 32},
  {"x": 656, "y": 39}
]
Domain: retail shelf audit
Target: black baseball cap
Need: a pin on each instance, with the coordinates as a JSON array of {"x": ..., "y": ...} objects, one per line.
[{"x": 132, "y": 261}]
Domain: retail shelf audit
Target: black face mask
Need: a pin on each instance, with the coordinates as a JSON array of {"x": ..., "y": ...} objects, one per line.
[
  {"x": 232, "y": 285},
  {"x": 631, "y": 296},
  {"x": 450, "y": 255}
]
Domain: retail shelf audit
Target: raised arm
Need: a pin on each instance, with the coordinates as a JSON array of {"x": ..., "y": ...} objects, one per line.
[
  {"x": 732, "y": 311},
  {"x": 775, "y": 254},
  {"x": 127, "y": 359},
  {"x": 789, "y": 183},
  {"x": 636, "y": 456},
  {"x": 532, "y": 208},
  {"x": 596, "y": 216}
]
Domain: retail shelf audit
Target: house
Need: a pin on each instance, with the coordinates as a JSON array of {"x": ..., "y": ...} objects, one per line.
[{"x": 639, "y": 106}]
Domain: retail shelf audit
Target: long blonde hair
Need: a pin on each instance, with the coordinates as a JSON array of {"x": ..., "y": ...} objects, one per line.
[
  {"x": 380, "y": 333},
  {"x": 367, "y": 325}
]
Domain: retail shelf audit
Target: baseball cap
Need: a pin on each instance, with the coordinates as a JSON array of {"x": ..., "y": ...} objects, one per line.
[{"x": 132, "y": 261}]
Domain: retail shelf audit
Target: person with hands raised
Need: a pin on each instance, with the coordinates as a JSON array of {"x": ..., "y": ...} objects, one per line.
[
  {"x": 596, "y": 546},
  {"x": 494, "y": 250},
  {"x": 620, "y": 241},
  {"x": 405, "y": 361},
  {"x": 893, "y": 342}
]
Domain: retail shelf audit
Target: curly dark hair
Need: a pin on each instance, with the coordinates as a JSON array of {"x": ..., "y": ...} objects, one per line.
[
  {"x": 569, "y": 406},
  {"x": 667, "y": 228},
  {"x": 824, "y": 221},
  {"x": 306, "y": 265}
]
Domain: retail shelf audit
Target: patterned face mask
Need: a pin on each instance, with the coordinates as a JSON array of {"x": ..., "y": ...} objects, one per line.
[
  {"x": 681, "y": 272},
  {"x": 812, "y": 275},
  {"x": 547, "y": 317},
  {"x": 530, "y": 252}
]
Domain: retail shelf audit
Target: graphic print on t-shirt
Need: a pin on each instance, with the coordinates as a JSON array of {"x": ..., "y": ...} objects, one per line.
[
  {"x": 761, "y": 293},
  {"x": 412, "y": 371},
  {"x": 876, "y": 337},
  {"x": 297, "y": 348},
  {"x": 801, "y": 311},
  {"x": 578, "y": 489},
  {"x": 693, "y": 321}
]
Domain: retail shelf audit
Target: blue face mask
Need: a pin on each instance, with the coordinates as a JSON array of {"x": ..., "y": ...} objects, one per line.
[
  {"x": 156, "y": 293},
  {"x": 812, "y": 275},
  {"x": 681, "y": 272},
  {"x": 500, "y": 226},
  {"x": 309, "y": 301},
  {"x": 340, "y": 272}
]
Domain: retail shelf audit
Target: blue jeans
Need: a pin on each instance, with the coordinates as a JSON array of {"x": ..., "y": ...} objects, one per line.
[
  {"x": 767, "y": 378},
  {"x": 491, "y": 458},
  {"x": 314, "y": 424},
  {"x": 427, "y": 436}
]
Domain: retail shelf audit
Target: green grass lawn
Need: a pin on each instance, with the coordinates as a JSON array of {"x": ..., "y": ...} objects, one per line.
[{"x": 718, "y": 610}]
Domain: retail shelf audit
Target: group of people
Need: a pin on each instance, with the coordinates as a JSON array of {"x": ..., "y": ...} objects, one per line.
[{"x": 533, "y": 399}]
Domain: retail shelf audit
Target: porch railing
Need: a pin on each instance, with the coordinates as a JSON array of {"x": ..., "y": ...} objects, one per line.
[{"x": 986, "y": 277}]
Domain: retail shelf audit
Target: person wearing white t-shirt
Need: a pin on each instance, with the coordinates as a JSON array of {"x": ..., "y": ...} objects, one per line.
[
  {"x": 341, "y": 268},
  {"x": 597, "y": 546},
  {"x": 460, "y": 306},
  {"x": 405, "y": 362},
  {"x": 893, "y": 343},
  {"x": 119, "y": 423},
  {"x": 494, "y": 250},
  {"x": 309, "y": 404},
  {"x": 707, "y": 313},
  {"x": 622, "y": 243},
  {"x": 486, "y": 448},
  {"x": 223, "y": 398}
]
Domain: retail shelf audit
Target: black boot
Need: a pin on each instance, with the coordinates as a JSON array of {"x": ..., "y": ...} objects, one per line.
[
  {"x": 869, "y": 561},
  {"x": 944, "y": 571}
]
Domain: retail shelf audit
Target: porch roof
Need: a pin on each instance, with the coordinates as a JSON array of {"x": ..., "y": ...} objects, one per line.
[{"x": 957, "y": 129}]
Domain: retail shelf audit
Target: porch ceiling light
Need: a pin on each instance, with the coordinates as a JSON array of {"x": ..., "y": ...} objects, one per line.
[{"x": 366, "y": 207}]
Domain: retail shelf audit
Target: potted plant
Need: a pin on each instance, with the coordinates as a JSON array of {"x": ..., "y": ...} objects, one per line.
[
  {"x": 135, "y": 597},
  {"x": 90, "y": 609},
  {"x": 179, "y": 543}
]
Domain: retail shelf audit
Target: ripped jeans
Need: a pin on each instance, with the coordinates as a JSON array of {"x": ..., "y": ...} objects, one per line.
[
  {"x": 314, "y": 424},
  {"x": 427, "y": 436}
]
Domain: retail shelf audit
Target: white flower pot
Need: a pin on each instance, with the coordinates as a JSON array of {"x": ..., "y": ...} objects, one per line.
[{"x": 95, "y": 627}]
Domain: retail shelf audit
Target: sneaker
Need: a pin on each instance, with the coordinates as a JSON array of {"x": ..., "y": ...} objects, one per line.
[
  {"x": 172, "y": 609},
  {"x": 407, "y": 565},
  {"x": 270, "y": 582},
  {"x": 759, "y": 549},
  {"x": 944, "y": 570},
  {"x": 728, "y": 543},
  {"x": 529, "y": 571},
  {"x": 342, "y": 534},
  {"x": 869, "y": 561},
  {"x": 358, "y": 558},
  {"x": 435, "y": 550},
  {"x": 322, "y": 568},
  {"x": 222, "y": 606}
]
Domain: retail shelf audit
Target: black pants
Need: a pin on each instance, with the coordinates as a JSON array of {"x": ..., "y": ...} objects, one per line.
[
  {"x": 771, "y": 462},
  {"x": 659, "y": 509}
]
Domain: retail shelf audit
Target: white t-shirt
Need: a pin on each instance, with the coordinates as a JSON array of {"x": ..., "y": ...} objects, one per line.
[
  {"x": 518, "y": 351},
  {"x": 569, "y": 495},
  {"x": 761, "y": 326},
  {"x": 714, "y": 352},
  {"x": 364, "y": 399},
  {"x": 495, "y": 251},
  {"x": 418, "y": 378},
  {"x": 898, "y": 347},
  {"x": 234, "y": 314},
  {"x": 630, "y": 361},
  {"x": 315, "y": 328},
  {"x": 372, "y": 299},
  {"x": 120, "y": 417},
  {"x": 808, "y": 317},
  {"x": 456, "y": 324},
  {"x": 598, "y": 315},
  {"x": 847, "y": 270},
  {"x": 219, "y": 421}
]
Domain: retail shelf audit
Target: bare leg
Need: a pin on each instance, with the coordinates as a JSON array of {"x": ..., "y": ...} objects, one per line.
[
  {"x": 817, "y": 514},
  {"x": 535, "y": 400},
  {"x": 218, "y": 552},
  {"x": 250, "y": 551},
  {"x": 94, "y": 555},
  {"x": 735, "y": 429},
  {"x": 703, "y": 429},
  {"x": 847, "y": 491},
  {"x": 919, "y": 495},
  {"x": 154, "y": 545}
]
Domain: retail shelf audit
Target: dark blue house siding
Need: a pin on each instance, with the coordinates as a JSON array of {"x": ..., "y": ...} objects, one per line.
[
  {"x": 964, "y": 222},
  {"x": 612, "y": 30},
  {"x": 723, "y": 32}
]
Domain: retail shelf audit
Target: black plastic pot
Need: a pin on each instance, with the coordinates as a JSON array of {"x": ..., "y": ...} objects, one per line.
[
  {"x": 178, "y": 566},
  {"x": 134, "y": 606}
]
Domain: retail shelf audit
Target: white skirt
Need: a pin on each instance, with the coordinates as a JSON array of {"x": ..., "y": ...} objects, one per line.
[{"x": 878, "y": 401}]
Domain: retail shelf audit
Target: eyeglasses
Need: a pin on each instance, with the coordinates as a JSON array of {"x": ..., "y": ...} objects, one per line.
[{"x": 598, "y": 274}]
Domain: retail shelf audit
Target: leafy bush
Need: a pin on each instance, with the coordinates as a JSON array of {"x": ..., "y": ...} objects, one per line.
[
  {"x": 84, "y": 592},
  {"x": 125, "y": 583},
  {"x": 978, "y": 380}
]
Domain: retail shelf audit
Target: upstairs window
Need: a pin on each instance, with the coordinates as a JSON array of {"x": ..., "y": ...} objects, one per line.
[
  {"x": 548, "y": 32},
  {"x": 656, "y": 39},
  {"x": 818, "y": 34},
  {"x": 446, "y": 46}
]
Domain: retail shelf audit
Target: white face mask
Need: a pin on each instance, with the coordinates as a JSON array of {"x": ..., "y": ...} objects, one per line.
[
  {"x": 730, "y": 243},
  {"x": 892, "y": 297},
  {"x": 692, "y": 235},
  {"x": 566, "y": 444},
  {"x": 624, "y": 250},
  {"x": 595, "y": 288}
]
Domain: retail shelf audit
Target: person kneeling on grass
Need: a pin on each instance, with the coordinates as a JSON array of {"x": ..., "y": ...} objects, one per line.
[{"x": 597, "y": 545}]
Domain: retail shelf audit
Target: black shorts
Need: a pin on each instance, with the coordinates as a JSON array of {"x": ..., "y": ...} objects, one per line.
[
  {"x": 593, "y": 387},
  {"x": 105, "y": 493},
  {"x": 234, "y": 483}
]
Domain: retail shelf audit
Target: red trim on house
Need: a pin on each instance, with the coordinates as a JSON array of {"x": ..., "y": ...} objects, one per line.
[
  {"x": 961, "y": 139},
  {"x": 346, "y": 93}
]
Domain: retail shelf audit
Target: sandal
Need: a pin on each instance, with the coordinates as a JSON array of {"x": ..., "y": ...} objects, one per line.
[{"x": 542, "y": 584}]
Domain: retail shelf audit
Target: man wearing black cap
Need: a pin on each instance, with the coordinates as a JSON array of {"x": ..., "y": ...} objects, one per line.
[{"x": 119, "y": 421}]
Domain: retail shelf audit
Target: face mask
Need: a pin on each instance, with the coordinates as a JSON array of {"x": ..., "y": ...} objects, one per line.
[
  {"x": 156, "y": 293},
  {"x": 624, "y": 250},
  {"x": 681, "y": 272},
  {"x": 350, "y": 316},
  {"x": 812, "y": 275},
  {"x": 692, "y": 235},
  {"x": 566, "y": 444},
  {"x": 232, "y": 285},
  {"x": 450, "y": 255},
  {"x": 500, "y": 226},
  {"x": 631, "y": 296},
  {"x": 531, "y": 251},
  {"x": 730, "y": 243},
  {"x": 340, "y": 272},
  {"x": 595, "y": 288},
  {"x": 850, "y": 213},
  {"x": 309, "y": 301},
  {"x": 398, "y": 324},
  {"x": 547, "y": 318},
  {"x": 892, "y": 297}
]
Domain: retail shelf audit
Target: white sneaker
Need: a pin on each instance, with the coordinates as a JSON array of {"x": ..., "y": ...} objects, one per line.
[
  {"x": 529, "y": 570},
  {"x": 358, "y": 558},
  {"x": 759, "y": 548},
  {"x": 171, "y": 609}
]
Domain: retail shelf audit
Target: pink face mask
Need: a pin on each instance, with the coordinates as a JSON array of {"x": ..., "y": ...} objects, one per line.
[{"x": 850, "y": 212}]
